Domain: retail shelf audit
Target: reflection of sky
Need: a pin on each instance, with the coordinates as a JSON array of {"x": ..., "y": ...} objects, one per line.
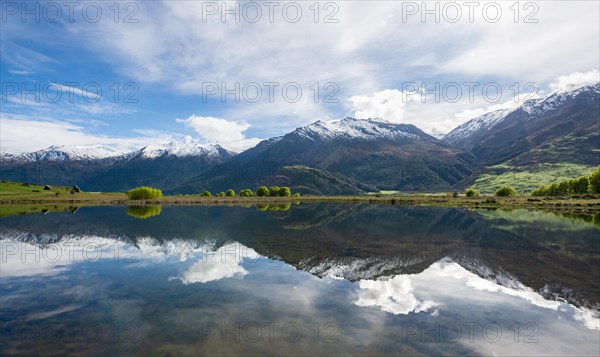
[
  {"x": 369, "y": 313},
  {"x": 21, "y": 259},
  {"x": 225, "y": 262},
  {"x": 446, "y": 280}
]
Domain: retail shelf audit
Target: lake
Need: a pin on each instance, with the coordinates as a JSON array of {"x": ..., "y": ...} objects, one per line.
[{"x": 300, "y": 279}]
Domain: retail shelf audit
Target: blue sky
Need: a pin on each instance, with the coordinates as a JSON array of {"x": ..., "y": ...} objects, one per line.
[{"x": 172, "y": 60}]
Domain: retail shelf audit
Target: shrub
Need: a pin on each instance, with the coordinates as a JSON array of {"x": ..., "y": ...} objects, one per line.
[
  {"x": 274, "y": 191},
  {"x": 262, "y": 191},
  {"x": 221, "y": 194},
  {"x": 594, "y": 185},
  {"x": 230, "y": 193},
  {"x": 206, "y": 194},
  {"x": 144, "y": 193},
  {"x": 246, "y": 193},
  {"x": 472, "y": 192},
  {"x": 296, "y": 194},
  {"x": 285, "y": 191},
  {"x": 506, "y": 191}
]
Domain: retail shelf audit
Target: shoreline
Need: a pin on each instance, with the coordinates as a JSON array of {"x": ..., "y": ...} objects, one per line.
[{"x": 578, "y": 205}]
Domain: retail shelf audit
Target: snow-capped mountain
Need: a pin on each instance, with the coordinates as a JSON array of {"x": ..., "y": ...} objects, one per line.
[
  {"x": 187, "y": 147},
  {"x": 349, "y": 153},
  {"x": 563, "y": 127},
  {"x": 179, "y": 149},
  {"x": 556, "y": 99},
  {"x": 366, "y": 129},
  {"x": 97, "y": 168},
  {"x": 470, "y": 131},
  {"x": 469, "y": 134},
  {"x": 64, "y": 153}
]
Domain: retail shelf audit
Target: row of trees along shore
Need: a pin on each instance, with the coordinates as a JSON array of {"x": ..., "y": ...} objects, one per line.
[{"x": 148, "y": 193}]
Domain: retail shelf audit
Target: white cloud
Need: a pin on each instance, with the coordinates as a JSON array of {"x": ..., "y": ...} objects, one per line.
[
  {"x": 388, "y": 104},
  {"x": 394, "y": 295},
  {"x": 225, "y": 262},
  {"x": 229, "y": 134},
  {"x": 69, "y": 91},
  {"x": 367, "y": 49},
  {"x": 19, "y": 72},
  {"x": 575, "y": 80},
  {"x": 25, "y": 135}
]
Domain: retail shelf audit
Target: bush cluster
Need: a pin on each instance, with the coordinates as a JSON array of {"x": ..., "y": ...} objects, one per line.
[
  {"x": 506, "y": 191},
  {"x": 262, "y": 191},
  {"x": 246, "y": 193},
  {"x": 471, "y": 192},
  {"x": 273, "y": 191},
  {"x": 144, "y": 193}
]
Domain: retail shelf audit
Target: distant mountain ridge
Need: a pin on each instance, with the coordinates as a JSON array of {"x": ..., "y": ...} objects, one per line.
[
  {"x": 345, "y": 156},
  {"x": 97, "y": 168},
  {"x": 184, "y": 148},
  {"x": 560, "y": 124},
  {"x": 373, "y": 153}
]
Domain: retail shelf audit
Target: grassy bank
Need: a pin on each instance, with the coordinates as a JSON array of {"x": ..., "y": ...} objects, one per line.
[{"x": 18, "y": 199}]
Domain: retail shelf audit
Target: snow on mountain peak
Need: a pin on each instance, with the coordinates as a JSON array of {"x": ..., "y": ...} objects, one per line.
[
  {"x": 351, "y": 128},
  {"x": 533, "y": 107},
  {"x": 480, "y": 123},
  {"x": 184, "y": 148},
  {"x": 66, "y": 152}
]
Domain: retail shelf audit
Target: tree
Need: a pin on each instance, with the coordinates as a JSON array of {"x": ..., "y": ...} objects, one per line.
[
  {"x": 206, "y": 194},
  {"x": 262, "y": 191},
  {"x": 562, "y": 188},
  {"x": 144, "y": 193},
  {"x": 221, "y": 194},
  {"x": 472, "y": 193},
  {"x": 580, "y": 185},
  {"x": 296, "y": 194},
  {"x": 285, "y": 191},
  {"x": 246, "y": 193},
  {"x": 230, "y": 193},
  {"x": 543, "y": 190},
  {"x": 594, "y": 186},
  {"x": 506, "y": 191},
  {"x": 274, "y": 191}
]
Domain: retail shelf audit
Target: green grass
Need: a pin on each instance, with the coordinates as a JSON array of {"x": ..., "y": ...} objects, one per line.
[
  {"x": 17, "y": 191},
  {"x": 526, "y": 179}
]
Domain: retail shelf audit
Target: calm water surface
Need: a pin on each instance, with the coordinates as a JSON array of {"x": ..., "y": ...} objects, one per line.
[{"x": 326, "y": 279}]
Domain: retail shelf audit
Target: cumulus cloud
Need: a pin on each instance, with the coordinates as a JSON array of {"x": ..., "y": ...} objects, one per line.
[
  {"x": 575, "y": 80},
  {"x": 388, "y": 104},
  {"x": 20, "y": 134},
  {"x": 393, "y": 295},
  {"x": 229, "y": 134},
  {"x": 225, "y": 262}
]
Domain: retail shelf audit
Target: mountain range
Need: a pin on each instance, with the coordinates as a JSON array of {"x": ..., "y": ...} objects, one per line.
[{"x": 346, "y": 156}]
